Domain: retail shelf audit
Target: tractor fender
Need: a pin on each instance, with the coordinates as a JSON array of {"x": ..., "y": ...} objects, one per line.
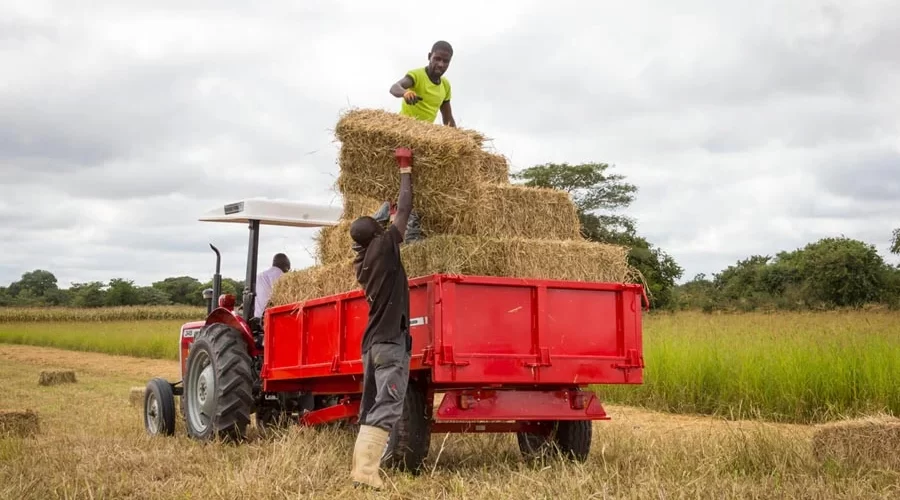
[{"x": 222, "y": 315}]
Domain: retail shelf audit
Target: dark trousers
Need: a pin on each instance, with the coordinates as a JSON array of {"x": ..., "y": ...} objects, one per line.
[{"x": 385, "y": 377}]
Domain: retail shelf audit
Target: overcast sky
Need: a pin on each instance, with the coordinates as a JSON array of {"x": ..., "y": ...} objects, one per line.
[{"x": 748, "y": 129}]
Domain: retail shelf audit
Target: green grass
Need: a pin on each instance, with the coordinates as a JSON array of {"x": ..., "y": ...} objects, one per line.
[
  {"x": 787, "y": 367},
  {"x": 145, "y": 339},
  {"x": 784, "y": 367}
]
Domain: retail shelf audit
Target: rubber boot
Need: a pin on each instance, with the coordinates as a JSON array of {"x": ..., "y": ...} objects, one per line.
[{"x": 370, "y": 444}]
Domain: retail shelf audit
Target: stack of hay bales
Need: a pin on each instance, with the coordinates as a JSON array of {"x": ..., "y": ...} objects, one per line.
[{"x": 475, "y": 222}]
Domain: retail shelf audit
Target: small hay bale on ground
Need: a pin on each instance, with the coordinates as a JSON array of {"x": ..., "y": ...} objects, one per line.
[
  {"x": 57, "y": 377},
  {"x": 15, "y": 423},
  {"x": 866, "y": 442},
  {"x": 512, "y": 257},
  {"x": 136, "y": 396}
]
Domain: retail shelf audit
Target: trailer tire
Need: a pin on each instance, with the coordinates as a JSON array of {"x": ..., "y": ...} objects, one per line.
[
  {"x": 218, "y": 357},
  {"x": 159, "y": 408},
  {"x": 572, "y": 438},
  {"x": 410, "y": 439}
]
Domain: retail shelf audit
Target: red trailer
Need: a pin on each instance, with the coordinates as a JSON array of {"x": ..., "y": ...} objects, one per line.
[{"x": 489, "y": 355}]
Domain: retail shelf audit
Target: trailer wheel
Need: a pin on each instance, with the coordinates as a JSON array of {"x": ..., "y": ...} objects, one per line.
[
  {"x": 411, "y": 437},
  {"x": 159, "y": 408},
  {"x": 571, "y": 437},
  {"x": 218, "y": 388}
]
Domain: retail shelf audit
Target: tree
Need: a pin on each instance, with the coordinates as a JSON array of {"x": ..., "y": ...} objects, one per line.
[
  {"x": 180, "y": 290},
  {"x": 598, "y": 195},
  {"x": 34, "y": 285},
  {"x": 121, "y": 293},
  {"x": 88, "y": 294},
  {"x": 147, "y": 295},
  {"x": 841, "y": 272},
  {"x": 895, "y": 243}
]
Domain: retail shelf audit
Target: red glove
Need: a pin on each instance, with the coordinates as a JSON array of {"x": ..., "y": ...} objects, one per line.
[{"x": 404, "y": 160}]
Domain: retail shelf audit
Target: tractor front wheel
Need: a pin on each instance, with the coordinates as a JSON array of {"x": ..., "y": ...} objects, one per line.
[
  {"x": 159, "y": 408},
  {"x": 218, "y": 387}
]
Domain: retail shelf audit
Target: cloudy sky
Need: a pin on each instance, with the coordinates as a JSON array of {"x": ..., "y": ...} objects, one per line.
[{"x": 748, "y": 129}]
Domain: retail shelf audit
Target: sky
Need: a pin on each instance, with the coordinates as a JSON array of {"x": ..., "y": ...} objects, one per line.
[{"x": 748, "y": 129}]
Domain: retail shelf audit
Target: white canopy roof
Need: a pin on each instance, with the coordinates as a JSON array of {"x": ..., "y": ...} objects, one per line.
[{"x": 275, "y": 213}]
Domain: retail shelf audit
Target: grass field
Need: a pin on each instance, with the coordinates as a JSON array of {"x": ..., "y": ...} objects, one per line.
[
  {"x": 92, "y": 445},
  {"x": 788, "y": 367}
]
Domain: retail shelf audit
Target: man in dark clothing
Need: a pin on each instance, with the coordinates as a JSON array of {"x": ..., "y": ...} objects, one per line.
[{"x": 386, "y": 342}]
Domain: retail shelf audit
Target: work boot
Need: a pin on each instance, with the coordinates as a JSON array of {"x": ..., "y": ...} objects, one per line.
[
  {"x": 370, "y": 443},
  {"x": 413, "y": 229}
]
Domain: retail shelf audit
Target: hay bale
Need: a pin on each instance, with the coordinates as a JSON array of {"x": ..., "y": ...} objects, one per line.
[
  {"x": 136, "y": 396},
  {"x": 496, "y": 210},
  {"x": 356, "y": 205},
  {"x": 57, "y": 377},
  {"x": 15, "y": 423},
  {"x": 493, "y": 168},
  {"x": 480, "y": 256},
  {"x": 866, "y": 442}
]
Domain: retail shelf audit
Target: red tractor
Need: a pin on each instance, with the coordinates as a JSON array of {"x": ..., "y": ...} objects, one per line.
[{"x": 501, "y": 354}]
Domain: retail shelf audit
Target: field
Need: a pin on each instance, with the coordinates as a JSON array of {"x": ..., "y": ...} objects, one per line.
[
  {"x": 761, "y": 380},
  {"x": 787, "y": 367},
  {"x": 92, "y": 445}
]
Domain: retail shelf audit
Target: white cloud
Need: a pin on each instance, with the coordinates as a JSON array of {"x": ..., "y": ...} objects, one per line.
[{"x": 748, "y": 128}]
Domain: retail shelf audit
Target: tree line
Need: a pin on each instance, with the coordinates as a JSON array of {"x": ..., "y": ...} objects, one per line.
[
  {"x": 39, "y": 288},
  {"x": 829, "y": 273}
]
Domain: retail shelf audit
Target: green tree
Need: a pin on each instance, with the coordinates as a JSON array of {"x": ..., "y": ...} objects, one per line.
[
  {"x": 180, "y": 290},
  {"x": 895, "y": 242},
  {"x": 91, "y": 294},
  {"x": 149, "y": 296},
  {"x": 121, "y": 292},
  {"x": 599, "y": 196},
  {"x": 33, "y": 286},
  {"x": 841, "y": 272}
]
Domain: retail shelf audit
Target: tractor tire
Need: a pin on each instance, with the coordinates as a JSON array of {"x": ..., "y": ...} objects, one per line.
[
  {"x": 159, "y": 408},
  {"x": 410, "y": 439},
  {"x": 571, "y": 438},
  {"x": 218, "y": 386}
]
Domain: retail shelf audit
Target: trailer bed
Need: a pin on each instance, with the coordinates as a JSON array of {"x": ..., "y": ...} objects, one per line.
[{"x": 468, "y": 331}]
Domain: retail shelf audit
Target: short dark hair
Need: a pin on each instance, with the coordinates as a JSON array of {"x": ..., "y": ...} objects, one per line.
[
  {"x": 282, "y": 262},
  {"x": 442, "y": 45},
  {"x": 363, "y": 230}
]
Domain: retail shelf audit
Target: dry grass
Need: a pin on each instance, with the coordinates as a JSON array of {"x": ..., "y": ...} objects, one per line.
[
  {"x": 514, "y": 257},
  {"x": 16, "y": 423},
  {"x": 56, "y": 377},
  {"x": 497, "y": 211},
  {"x": 867, "y": 442},
  {"x": 636, "y": 455}
]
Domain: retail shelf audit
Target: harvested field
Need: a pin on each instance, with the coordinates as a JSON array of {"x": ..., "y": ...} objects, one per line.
[
  {"x": 867, "y": 442},
  {"x": 515, "y": 257},
  {"x": 638, "y": 454},
  {"x": 16, "y": 423},
  {"x": 56, "y": 377}
]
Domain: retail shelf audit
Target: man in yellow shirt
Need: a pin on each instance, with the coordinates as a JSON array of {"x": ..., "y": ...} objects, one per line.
[{"x": 426, "y": 90}]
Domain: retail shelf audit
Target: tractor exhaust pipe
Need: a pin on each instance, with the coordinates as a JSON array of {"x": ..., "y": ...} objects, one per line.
[{"x": 217, "y": 280}]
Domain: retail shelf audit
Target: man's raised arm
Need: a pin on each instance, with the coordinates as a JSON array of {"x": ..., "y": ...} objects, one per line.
[{"x": 404, "y": 202}]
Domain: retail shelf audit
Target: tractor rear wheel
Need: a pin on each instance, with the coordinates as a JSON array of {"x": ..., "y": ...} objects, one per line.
[
  {"x": 159, "y": 408},
  {"x": 218, "y": 387},
  {"x": 571, "y": 437},
  {"x": 410, "y": 439}
]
